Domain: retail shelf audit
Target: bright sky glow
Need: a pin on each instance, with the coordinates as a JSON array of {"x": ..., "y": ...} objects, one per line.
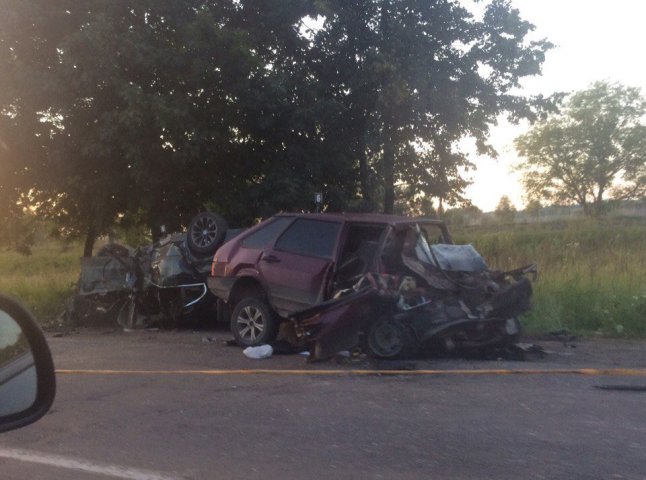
[{"x": 595, "y": 40}]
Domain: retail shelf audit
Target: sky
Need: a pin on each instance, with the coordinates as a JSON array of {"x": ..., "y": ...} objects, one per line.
[{"x": 595, "y": 40}]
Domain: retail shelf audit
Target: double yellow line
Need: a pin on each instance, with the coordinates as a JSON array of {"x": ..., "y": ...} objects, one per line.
[{"x": 355, "y": 372}]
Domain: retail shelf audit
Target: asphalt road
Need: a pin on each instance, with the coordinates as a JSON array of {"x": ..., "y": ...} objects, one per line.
[{"x": 215, "y": 425}]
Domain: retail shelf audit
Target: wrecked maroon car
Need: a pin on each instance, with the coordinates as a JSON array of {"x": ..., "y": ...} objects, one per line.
[{"x": 390, "y": 283}]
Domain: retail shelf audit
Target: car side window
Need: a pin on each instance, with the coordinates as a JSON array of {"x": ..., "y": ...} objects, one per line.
[
  {"x": 310, "y": 237},
  {"x": 267, "y": 235}
]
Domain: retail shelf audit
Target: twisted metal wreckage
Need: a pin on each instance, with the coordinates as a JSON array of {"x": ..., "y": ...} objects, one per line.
[
  {"x": 158, "y": 284},
  {"x": 442, "y": 295}
]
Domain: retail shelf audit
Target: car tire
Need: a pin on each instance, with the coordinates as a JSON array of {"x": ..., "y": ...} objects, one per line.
[
  {"x": 205, "y": 233},
  {"x": 391, "y": 339},
  {"x": 253, "y": 322}
]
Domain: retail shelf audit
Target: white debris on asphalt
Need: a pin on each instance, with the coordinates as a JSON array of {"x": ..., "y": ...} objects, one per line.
[{"x": 259, "y": 352}]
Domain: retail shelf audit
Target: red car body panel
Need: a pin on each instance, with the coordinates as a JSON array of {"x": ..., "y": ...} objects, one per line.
[{"x": 292, "y": 281}]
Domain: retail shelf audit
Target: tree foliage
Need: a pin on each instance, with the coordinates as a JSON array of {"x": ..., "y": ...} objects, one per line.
[
  {"x": 593, "y": 150},
  {"x": 413, "y": 77},
  {"x": 148, "y": 111},
  {"x": 505, "y": 210},
  {"x": 467, "y": 215},
  {"x": 533, "y": 208}
]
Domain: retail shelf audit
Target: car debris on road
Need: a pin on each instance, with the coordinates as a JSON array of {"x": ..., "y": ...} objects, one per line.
[{"x": 258, "y": 353}]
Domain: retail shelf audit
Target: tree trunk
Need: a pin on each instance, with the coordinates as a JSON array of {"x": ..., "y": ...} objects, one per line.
[
  {"x": 598, "y": 201},
  {"x": 364, "y": 173},
  {"x": 90, "y": 238},
  {"x": 388, "y": 161},
  {"x": 155, "y": 228},
  {"x": 389, "y": 177},
  {"x": 155, "y": 219}
]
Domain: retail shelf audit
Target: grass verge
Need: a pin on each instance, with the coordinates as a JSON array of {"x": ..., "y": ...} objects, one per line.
[
  {"x": 43, "y": 279},
  {"x": 592, "y": 273}
]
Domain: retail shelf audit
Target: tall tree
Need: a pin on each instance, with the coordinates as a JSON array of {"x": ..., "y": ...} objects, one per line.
[
  {"x": 287, "y": 151},
  {"x": 593, "y": 150},
  {"x": 83, "y": 91},
  {"x": 412, "y": 78},
  {"x": 140, "y": 108},
  {"x": 155, "y": 108}
]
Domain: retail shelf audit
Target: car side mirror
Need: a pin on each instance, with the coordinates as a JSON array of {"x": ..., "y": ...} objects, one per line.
[{"x": 27, "y": 381}]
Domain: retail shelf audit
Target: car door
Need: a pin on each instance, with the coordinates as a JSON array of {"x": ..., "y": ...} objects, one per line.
[{"x": 297, "y": 269}]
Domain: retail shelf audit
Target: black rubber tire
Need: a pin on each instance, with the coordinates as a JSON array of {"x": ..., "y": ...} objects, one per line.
[
  {"x": 253, "y": 322},
  {"x": 392, "y": 340},
  {"x": 205, "y": 233}
]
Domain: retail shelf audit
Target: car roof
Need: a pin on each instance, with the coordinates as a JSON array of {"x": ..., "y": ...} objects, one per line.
[{"x": 364, "y": 218}]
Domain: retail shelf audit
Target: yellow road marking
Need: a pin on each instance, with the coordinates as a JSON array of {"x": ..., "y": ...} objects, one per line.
[{"x": 565, "y": 371}]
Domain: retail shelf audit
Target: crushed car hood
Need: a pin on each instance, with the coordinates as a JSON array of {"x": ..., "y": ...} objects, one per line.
[{"x": 443, "y": 293}]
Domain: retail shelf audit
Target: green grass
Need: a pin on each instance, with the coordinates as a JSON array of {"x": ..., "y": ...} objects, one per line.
[
  {"x": 43, "y": 279},
  {"x": 592, "y": 276}
]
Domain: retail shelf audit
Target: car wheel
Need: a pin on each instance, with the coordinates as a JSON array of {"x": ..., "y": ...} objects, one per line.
[
  {"x": 253, "y": 323},
  {"x": 205, "y": 233},
  {"x": 392, "y": 340}
]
